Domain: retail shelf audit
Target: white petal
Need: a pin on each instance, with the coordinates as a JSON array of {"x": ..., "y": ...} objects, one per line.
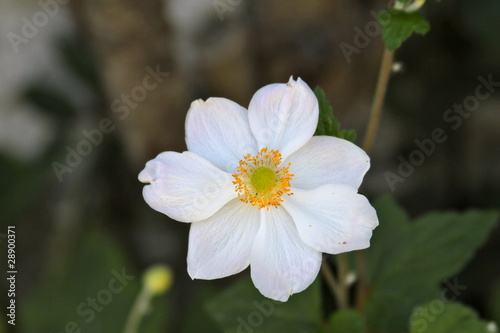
[
  {"x": 220, "y": 245},
  {"x": 332, "y": 218},
  {"x": 328, "y": 160},
  {"x": 281, "y": 264},
  {"x": 218, "y": 130},
  {"x": 185, "y": 186},
  {"x": 283, "y": 116}
]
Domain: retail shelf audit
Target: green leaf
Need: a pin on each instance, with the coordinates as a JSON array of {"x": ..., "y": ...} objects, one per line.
[
  {"x": 349, "y": 135},
  {"x": 407, "y": 261},
  {"x": 327, "y": 122},
  {"x": 397, "y": 26},
  {"x": 241, "y": 308},
  {"x": 439, "y": 317},
  {"x": 345, "y": 321},
  {"x": 394, "y": 222}
]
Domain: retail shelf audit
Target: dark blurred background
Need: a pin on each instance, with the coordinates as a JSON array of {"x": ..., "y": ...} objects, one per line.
[{"x": 121, "y": 74}]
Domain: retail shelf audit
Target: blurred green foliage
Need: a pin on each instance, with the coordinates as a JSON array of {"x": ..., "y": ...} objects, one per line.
[
  {"x": 93, "y": 291},
  {"x": 346, "y": 321},
  {"x": 242, "y": 308},
  {"x": 439, "y": 318}
]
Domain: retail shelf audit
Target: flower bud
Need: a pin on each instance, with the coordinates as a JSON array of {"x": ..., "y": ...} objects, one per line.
[{"x": 158, "y": 279}]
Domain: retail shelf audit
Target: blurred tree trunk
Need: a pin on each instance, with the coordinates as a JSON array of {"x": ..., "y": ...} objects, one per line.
[{"x": 147, "y": 98}]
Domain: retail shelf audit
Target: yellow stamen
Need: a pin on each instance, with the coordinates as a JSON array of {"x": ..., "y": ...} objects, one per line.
[{"x": 261, "y": 181}]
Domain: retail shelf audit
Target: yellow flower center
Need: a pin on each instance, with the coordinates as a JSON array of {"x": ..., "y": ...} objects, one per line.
[{"x": 261, "y": 181}]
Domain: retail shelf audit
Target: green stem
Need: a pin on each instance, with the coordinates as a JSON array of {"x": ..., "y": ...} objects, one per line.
[
  {"x": 362, "y": 289},
  {"x": 139, "y": 309},
  {"x": 334, "y": 286},
  {"x": 378, "y": 100},
  {"x": 343, "y": 271},
  {"x": 371, "y": 133}
]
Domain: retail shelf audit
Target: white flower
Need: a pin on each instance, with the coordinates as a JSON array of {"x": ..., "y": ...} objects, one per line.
[{"x": 260, "y": 190}]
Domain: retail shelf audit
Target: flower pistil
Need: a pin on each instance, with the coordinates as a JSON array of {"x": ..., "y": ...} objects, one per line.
[{"x": 261, "y": 181}]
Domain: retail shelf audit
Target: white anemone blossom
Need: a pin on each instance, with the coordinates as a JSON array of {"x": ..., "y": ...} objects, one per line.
[{"x": 260, "y": 190}]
